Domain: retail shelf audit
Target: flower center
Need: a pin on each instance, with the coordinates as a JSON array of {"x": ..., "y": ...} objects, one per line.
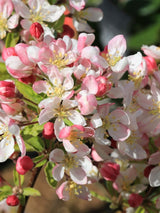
[
  {"x": 37, "y": 15},
  {"x": 60, "y": 60},
  {"x": 3, "y": 26},
  {"x": 70, "y": 162},
  {"x": 136, "y": 78},
  {"x": 73, "y": 188},
  {"x": 73, "y": 136},
  {"x": 56, "y": 91},
  {"x": 156, "y": 110},
  {"x": 4, "y": 132},
  {"x": 132, "y": 138},
  {"x": 111, "y": 59},
  {"x": 61, "y": 112}
]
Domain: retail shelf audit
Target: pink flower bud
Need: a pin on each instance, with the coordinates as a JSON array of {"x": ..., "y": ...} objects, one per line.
[
  {"x": 24, "y": 164},
  {"x": 67, "y": 30},
  {"x": 12, "y": 109},
  {"x": 36, "y": 30},
  {"x": 12, "y": 200},
  {"x": 103, "y": 85},
  {"x": 10, "y": 51},
  {"x": 28, "y": 80},
  {"x": 135, "y": 200},
  {"x": 147, "y": 170},
  {"x": 7, "y": 89},
  {"x": 48, "y": 130},
  {"x": 151, "y": 64},
  {"x": 110, "y": 171}
]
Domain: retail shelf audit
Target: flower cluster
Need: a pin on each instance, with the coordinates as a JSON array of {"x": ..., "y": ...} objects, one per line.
[{"x": 91, "y": 115}]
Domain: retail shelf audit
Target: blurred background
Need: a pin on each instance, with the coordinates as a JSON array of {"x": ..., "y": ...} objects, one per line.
[{"x": 139, "y": 22}]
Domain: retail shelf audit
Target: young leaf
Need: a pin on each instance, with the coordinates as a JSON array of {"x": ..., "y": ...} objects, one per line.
[
  {"x": 48, "y": 172},
  {"x": 4, "y": 74},
  {"x": 52, "y": 1},
  {"x": 5, "y": 188},
  {"x": 41, "y": 163},
  {"x": 28, "y": 191},
  {"x": 58, "y": 25},
  {"x": 110, "y": 188},
  {"x": 28, "y": 92},
  {"x": 140, "y": 209},
  {"x": 22, "y": 199},
  {"x": 67, "y": 122},
  {"x": 35, "y": 142},
  {"x": 17, "y": 177},
  {"x": 33, "y": 130},
  {"x": 102, "y": 198},
  {"x": 5, "y": 191},
  {"x": 12, "y": 39}
]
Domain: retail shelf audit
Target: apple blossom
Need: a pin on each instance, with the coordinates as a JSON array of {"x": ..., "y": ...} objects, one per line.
[
  {"x": 70, "y": 164},
  {"x": 69, "y": 187},
  {"x": 38, "y": 11},
  {"x": 8, "y": 20}
]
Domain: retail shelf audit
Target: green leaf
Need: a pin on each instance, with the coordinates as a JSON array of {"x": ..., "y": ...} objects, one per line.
[
  {"x": 11, "y": 39},
  {"x": 102, "y": 198},
  {"x": 28, "y": 191},
  {"x": 151, "y": 209},
  {"x": 27, "y": 91},
  {"x": 3, "y": 72},
  {"x": 110, "y": 188},
  {"x": 22, "y": 199},
  {"x": 5, "y": 191},
  {"x": 152, "y": 147},
  {"x": 67, "y": 122},
  {"x": 58, "y": 25},
  {"x": 48, "y": 172},
  {"x": 28, "y": 148},
  {"x": 140, "y": 209},
  {"x": 34, "y": 129},
  {"x": 52, "y": 1},
  {"x": 39, "y": 161},
  {"x": 35, "y": 142},
  {"x": 38, "y": 158},
  {"x": 4, "y": 195},
  {"x": 6, "y": 188},
  {"x": 17, "y": 177},
  {"x": 93, "y": 3}
]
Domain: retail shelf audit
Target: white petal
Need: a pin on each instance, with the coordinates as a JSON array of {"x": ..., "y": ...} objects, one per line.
[
  {"x": 69, "y": 147},
  {"x": 78, "y": 175},
  {"x": 154, "y": 177},
  {"x": 56, "y": 155},
  {"x": 119, "y": 132},
  {"x": 93, "y": 14},
  {"x": 45, "y": 115},
  {"x": 13, "y": 21},
  {"x": 134, "y": 151},
  {"x": 58, "y": 172},
  {"x": 6, "y": 149},
  {"x": 76, "y": 118}
]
